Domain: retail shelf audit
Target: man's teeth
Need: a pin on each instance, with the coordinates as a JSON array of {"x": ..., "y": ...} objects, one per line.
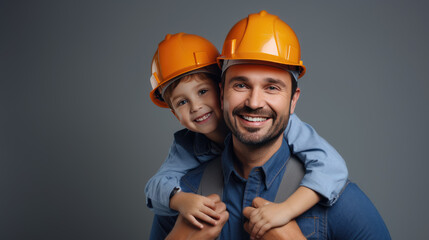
[
  {"x": 254, "y": 119},
  {"x": 203, "y": 117}
]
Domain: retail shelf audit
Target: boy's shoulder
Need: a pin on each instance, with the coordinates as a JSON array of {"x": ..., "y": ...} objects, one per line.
[
  {"x": 186, "y": 138},
  {"x": 184, "y": 133},
  {"x": 198, "y": 143}
]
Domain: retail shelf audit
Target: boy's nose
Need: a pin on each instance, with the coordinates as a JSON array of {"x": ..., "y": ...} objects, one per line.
[{"x": 195, "y": 106}]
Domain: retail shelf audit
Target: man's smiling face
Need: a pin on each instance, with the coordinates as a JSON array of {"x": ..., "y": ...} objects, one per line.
[{"x": 256, "y": 102}]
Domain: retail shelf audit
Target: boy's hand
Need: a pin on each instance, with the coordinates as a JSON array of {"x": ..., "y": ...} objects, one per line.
[
  {"x": 184, "y": 230},
  {"x": 265, "y": 216},
  {"x": 193, "y": 207}
]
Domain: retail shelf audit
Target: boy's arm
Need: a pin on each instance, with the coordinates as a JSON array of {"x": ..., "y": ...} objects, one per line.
[
  {"x": 180, "y": 159},
  {"x": 326, "y": 171},
  {"x": 271, "y": 215},
  {"x": 289, "y": 231}
]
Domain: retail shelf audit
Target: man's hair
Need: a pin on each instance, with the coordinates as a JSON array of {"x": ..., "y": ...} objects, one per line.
[{"x": 169, "y": 91}]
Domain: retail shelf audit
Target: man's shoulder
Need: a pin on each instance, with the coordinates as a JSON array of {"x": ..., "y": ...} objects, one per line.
[
  {"x": 353, "y": 216},
  {"x": 356, "y": 209}
]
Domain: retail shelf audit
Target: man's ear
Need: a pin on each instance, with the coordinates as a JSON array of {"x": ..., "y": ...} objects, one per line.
[
  {"x": 221, "y": 95},
  {"x": 294, "y": 100}
]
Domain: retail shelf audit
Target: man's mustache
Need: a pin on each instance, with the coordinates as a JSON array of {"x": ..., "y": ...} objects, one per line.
[{"x": 260, "y": 112}]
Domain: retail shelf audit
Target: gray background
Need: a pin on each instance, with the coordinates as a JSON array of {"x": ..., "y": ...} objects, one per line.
[{"x": 79, "y": 136}]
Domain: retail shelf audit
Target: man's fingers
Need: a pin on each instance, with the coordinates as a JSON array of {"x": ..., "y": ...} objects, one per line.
[
  {"x": 214, "y": 197},
  {"x": 220, "y": 207},
  {"x": 194, "y": 221},
  {"x": 223, "y": 217},
  {"x": 247, "y": 211},
  {"x": 259, "y": 202},
  {"x": 209, "y": 203},
  {"x": 246, "y": 227}
]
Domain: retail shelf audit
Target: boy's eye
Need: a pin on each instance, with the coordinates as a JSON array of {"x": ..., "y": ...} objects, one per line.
[
  {"x": 202, "y": 91},
  {"x": 181, "y": 102}
]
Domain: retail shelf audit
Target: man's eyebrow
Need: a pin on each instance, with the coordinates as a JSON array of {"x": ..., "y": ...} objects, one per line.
[
  {"x": 238, "y": 79},
  {"x": 267, "y": 80},
  {"x": 276, "y": 81}
]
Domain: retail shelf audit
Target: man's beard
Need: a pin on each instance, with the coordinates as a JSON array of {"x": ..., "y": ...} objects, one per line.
[{"x": 277, "y": 129}]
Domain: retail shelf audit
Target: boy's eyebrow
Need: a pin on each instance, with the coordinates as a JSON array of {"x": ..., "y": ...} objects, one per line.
[{"x": 172, "y": 98}]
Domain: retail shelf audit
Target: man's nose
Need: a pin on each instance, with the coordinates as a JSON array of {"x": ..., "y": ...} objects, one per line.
[{"x": 255, "y": 99}]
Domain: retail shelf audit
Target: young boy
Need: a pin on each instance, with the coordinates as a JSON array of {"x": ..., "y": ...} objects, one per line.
[{"x": 185, "y": 78}]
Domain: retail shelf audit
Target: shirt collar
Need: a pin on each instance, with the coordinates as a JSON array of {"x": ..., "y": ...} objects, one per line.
[{"x": 271, "y": 169}]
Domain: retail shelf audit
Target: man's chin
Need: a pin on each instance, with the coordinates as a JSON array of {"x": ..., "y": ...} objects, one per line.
[
  {"x": 252, "y": 138},
  {"x": 251, "y": 130}
]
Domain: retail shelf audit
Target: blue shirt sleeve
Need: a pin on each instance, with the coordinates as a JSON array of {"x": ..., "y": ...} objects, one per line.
[
  {"x": 354, "y": 216},
  {"x": 326, "y": 171},
  {"x": 188, "y": 151}
]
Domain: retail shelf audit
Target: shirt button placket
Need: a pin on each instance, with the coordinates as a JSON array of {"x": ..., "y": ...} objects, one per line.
[{"x": 253, "y": 187}]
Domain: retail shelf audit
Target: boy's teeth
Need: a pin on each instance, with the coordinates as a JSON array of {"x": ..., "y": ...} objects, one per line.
[
  {"x": 254, "y": 119},
  {"x": 203, "y": 117}
]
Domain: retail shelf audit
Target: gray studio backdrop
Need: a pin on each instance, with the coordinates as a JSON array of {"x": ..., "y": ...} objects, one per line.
[{"x": 79, "y": 136}]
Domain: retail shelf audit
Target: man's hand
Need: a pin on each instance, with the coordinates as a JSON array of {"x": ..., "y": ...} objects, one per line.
[
  {"x": 194, "y": 207},
  {"x": 183, "y": 229},
  {"x": 289, "y": 231}
]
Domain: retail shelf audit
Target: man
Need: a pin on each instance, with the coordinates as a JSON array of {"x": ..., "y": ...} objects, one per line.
[{"x": 260, "y": 65}]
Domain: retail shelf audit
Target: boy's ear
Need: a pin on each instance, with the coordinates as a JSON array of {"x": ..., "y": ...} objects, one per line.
[{"x": 221, "y": 95}]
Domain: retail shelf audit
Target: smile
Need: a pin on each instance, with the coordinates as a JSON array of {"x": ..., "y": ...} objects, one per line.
[
  {"x": 254, "y": 119},
  {"x": 204, "y": 117}
]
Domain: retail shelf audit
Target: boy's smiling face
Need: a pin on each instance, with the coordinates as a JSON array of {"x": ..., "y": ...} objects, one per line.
[{"x": 195, "y": 103}]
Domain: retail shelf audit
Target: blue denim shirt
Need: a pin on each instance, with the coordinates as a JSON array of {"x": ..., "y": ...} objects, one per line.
[
  {"x": 326, "y": 171},
  {"x": 352, "y": 217}
]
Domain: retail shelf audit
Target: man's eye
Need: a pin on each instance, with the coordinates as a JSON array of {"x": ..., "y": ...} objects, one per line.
[
  {"x": 273, "y": 88},
  {"x": 240, "y": 85}
]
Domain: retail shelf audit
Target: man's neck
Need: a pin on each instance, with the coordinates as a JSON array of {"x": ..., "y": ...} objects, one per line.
[{"x": 253, "y": 156}]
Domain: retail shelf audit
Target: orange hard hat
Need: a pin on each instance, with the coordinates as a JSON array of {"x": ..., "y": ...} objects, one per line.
[
  {"x": 176, "y": 55},
  {"x": 264, "y": 37}
]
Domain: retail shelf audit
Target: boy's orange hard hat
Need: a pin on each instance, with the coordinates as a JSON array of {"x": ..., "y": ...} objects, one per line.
[
  {"x": 178, "y": 54},
  {"x": 265, "y": 37}
]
